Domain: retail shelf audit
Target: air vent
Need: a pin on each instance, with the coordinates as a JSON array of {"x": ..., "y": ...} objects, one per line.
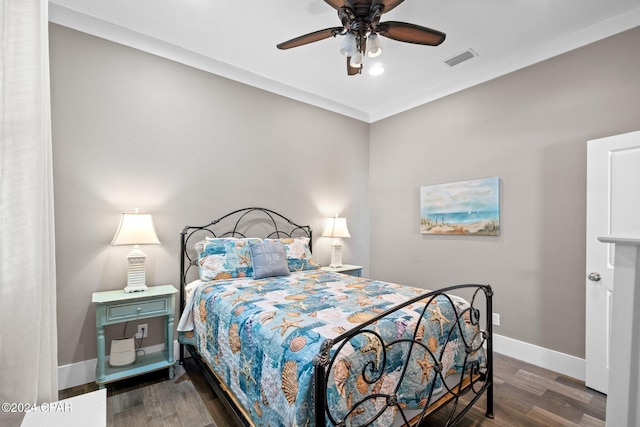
[{"x": 461, "y": 57}]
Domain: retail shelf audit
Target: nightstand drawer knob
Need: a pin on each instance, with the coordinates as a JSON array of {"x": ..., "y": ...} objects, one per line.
[{"x": 139, "y": 309}]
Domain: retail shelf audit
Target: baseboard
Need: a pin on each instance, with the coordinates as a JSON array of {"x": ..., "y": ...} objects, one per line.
[
  {"x": 549, "y": 359},
  {"x": 84, "y": 372}
]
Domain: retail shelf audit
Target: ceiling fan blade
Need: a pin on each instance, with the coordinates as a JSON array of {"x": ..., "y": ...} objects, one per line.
[
  {"x": 352, "y": 71},
  {"x": 410, "y": 33},
  {"x": 310, "y": 38},
  {"x": 388, "y": 4},
  {"x": 336, "y": 4}
]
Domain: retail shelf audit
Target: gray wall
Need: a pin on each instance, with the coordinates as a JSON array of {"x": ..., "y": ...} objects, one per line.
[
  {"x": 134, "y": 130},
  {"x": 530, "y": 128}
]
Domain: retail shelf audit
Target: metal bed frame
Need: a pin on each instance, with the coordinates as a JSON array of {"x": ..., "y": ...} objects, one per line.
[{"x": 474, "y": 381}]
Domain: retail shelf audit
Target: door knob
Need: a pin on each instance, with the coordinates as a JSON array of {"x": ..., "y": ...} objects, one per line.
[{"x": 594, "y": 277}]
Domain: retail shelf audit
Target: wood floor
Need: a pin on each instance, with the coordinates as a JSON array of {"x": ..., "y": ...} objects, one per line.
[{"x": 525, "y": 396}]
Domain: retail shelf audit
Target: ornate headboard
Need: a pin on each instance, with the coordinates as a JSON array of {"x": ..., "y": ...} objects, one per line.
[{"x": 247, "y": 222}]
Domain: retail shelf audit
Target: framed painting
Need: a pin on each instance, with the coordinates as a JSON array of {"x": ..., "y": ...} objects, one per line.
[{"x": 461, "y": 208}]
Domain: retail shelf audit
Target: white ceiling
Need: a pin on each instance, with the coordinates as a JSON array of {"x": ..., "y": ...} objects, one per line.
[{"x": 237, "y": 39}]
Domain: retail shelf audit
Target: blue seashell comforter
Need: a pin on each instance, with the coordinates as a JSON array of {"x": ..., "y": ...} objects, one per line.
[{"x": 259, "y": 337}]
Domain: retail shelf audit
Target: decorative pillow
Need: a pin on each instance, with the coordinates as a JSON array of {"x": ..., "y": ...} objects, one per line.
[
  {"x": 298, "y": 253},
  {"x": 225, "y": 258},
  {"x": 269, "y": 259}
]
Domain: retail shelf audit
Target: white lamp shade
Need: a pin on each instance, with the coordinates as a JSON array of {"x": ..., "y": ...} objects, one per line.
[
  {"x": 336, "y": 227},
  {"x": 356, "y": 60},
  {"x": 374, "y": 48},
  {"x": 136, "y": 229},
  {"x": 349, "y": 46}
]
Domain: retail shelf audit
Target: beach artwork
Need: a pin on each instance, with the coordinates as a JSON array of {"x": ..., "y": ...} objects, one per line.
[{"x": 465, "y": 207}]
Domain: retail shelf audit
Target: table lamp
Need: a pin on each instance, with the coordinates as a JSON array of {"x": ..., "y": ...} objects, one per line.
[
  {"x": 336, "y": 228},
  {"x": 136, "y": 229}
]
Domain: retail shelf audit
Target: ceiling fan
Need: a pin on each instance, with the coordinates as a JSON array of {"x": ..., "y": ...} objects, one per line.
[{"x": 361, "y": 26}]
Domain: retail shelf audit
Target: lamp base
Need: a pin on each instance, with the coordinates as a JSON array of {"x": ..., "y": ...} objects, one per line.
[
  {"x": 135, "y": 273},
  {"x": 137, "y": 288},
  {"x": 336, "y": 254}
]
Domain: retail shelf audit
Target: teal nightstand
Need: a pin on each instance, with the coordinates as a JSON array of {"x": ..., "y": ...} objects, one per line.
[
  {"x": 118, "y": 307},
  {"x": 351, "y": 270}
]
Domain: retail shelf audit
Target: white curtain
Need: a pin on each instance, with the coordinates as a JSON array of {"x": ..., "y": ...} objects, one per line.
[{"x": 28, "y": 336}]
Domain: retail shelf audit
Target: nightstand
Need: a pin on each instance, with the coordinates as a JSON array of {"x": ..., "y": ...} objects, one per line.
[
  {"x": 351, "y": 270},
  {"x": 118, "y": 307}
]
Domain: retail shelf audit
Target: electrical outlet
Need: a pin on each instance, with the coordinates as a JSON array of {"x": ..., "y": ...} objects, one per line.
[
  {"x": 143, "y": 331},
  {"x": 495, "y": 319}
]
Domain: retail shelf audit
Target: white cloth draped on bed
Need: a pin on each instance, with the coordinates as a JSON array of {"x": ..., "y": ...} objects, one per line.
[{"x": 186, "y": 319}]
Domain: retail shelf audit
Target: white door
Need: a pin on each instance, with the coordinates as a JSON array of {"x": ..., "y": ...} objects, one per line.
[{"x": 613, "y": 203}]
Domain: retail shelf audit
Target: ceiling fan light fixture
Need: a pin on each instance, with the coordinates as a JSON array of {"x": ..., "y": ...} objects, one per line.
[
  {"x": 356, "y": 60},
  {"x": 361, "y": 28},
  {"x": 374, "y": 48},
  {"x": 349, "y": 46}
]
